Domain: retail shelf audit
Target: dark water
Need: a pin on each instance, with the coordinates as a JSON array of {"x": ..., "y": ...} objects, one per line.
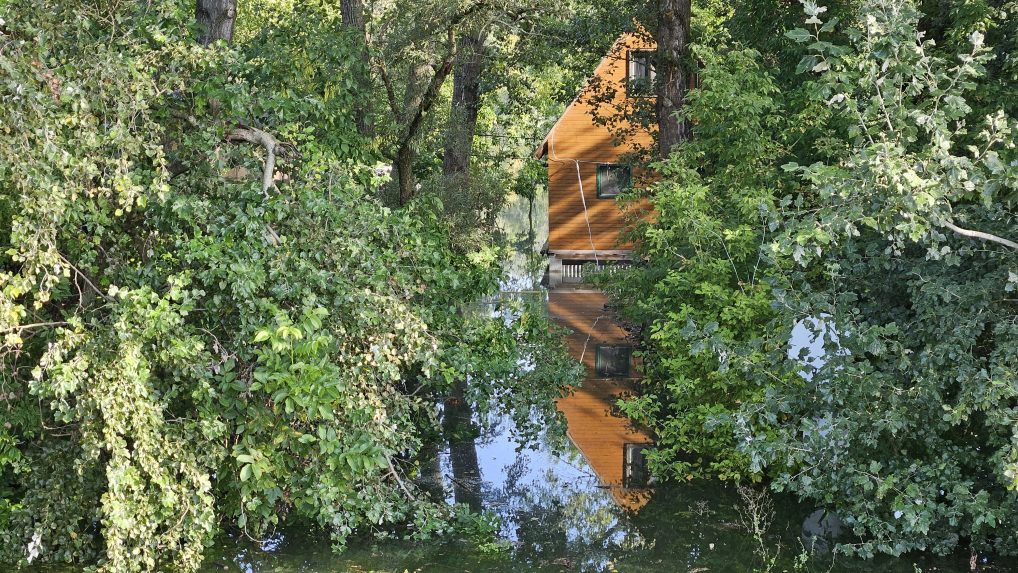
[
  {"x": 564, "y": 504},
  {"x": 558, "y": 517}
]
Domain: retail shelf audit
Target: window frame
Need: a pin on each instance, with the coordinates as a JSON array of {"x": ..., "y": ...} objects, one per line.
[
  {"x": 633, "y": 469},
  {"x": 603, "y": 168},
  {"x": 598, "y": 361},
  {"x": 649, "y": 78}
]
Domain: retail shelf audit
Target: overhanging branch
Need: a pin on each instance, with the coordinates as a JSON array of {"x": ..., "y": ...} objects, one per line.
[
  {"x": 981, "y": 235},
  {"x": 272, "y": 148},
  {"x": 264, "y": 139}
]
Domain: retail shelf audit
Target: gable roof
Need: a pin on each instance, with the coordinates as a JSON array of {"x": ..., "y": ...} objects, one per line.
[{"x": 622, "y": 43}]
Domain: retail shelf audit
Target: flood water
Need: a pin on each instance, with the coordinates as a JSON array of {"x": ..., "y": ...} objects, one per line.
[{"x": 584, "y": 501}]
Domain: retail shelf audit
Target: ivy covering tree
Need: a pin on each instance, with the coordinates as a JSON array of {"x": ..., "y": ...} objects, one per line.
[
  {"x": 829, "y": 289},
  {"x": 208, "y": 318}
]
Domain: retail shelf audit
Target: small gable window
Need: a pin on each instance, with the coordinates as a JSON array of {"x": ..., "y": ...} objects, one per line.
[
  {"x": 612, "y": 179},
  {"x": 635, "y": 473},
  {"x": 613, "y": 361},
  {"x": 640, "y": 75}
]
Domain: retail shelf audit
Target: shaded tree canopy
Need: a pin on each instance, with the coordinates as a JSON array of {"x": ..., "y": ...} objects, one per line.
[{"x": 828, "y": 285}]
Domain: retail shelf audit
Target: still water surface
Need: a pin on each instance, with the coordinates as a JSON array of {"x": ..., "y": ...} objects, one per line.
[{"x": 579, "y": 504}]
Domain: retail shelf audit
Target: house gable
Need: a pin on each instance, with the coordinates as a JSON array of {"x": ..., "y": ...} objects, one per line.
[{"x": 581, "y": 224}]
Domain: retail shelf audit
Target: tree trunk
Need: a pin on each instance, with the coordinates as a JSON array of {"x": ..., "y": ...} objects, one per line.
[
  {"x": 404, "y": 165},
  {"x": 466, "y": 101},
  {"x": 672, "y": 78},
  {"x": 352, "y": 12},
  {"x": 466, "y": 473},
  {"x": 460, "y": 430},
  {"x": 431, "y": 479},
  {"x": 419, "y": 97},
  {"x": 215, "y": 19},
  {"x": 531, "y": 235}
]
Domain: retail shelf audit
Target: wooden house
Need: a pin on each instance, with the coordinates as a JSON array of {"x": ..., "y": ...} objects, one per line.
[
  {"x": 588, "y": 153},
  {"x": 608, "y": 440}
]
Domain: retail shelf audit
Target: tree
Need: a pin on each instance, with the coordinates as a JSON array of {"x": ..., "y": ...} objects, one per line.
[
  {"x": 419, "y": 45},
  {"x": 672, "y": 76},
  {"x": 904, "y": 251},
  {"x": 216, "y": 19},
  {"x": 705, "y": 289},
  {"x": 827, "y": 275}
]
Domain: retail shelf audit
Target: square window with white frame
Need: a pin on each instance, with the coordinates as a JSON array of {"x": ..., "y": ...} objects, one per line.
[
  {"x": 640, "y": 73},
  {"x": 612, "y": 179}
]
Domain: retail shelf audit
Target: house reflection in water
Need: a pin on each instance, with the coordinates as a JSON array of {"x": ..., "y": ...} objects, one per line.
[{"x": 607, "y": 440}]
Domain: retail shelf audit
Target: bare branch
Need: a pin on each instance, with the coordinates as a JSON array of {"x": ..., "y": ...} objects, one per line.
[
  {"x": 22, "y": 327},
  {"x": 272, "y": 148},
  {"x": 981, "y": 235},
  {"x": 395, "y": 475},
  {"x": 185, "y": 117},
  {"x": 390, "y": 92},
  {"x": 266, "y": 140},
  {"x": 78, "y": 272}
]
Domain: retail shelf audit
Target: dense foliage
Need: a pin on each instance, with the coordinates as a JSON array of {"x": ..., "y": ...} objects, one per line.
[
  {"x": 214, "y": 316},
  {"x": 190, "y": 346},
  {"x": 829, "y": 288}
]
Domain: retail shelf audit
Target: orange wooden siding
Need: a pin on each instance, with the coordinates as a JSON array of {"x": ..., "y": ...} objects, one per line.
[
  {"x": 600, "y": 436},
  {"x": 574, "y": 148}
]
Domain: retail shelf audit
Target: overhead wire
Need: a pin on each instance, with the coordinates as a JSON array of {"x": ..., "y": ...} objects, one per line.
[{"x": 579, "y": 179}]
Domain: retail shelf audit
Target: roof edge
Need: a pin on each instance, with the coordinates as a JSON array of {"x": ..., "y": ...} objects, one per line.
[{"x": 542, "y": 148}]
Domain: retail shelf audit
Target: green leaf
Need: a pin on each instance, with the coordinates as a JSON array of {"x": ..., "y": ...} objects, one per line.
[
  {"x": 800, "y": 35},
  {"x": 806, "y": 63},
  {"x": 829, "y": 25}
]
